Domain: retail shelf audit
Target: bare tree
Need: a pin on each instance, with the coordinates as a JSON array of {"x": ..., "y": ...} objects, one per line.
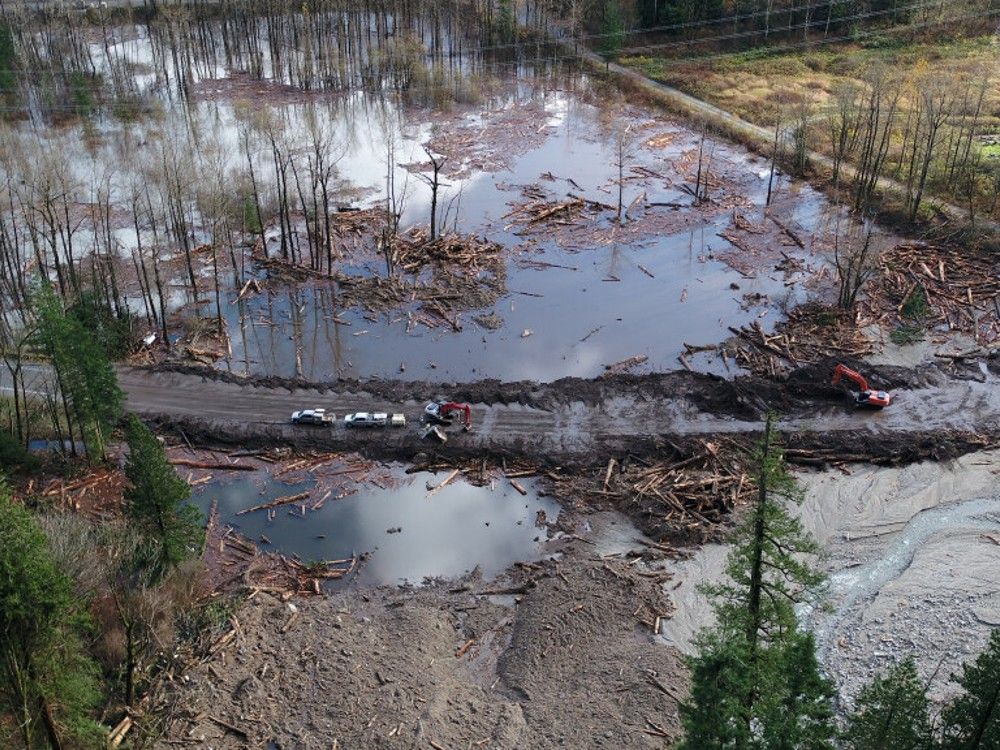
[
  {"x": 843, "y": 123},
  {"x": 395, "y": 197},
  {"x": 774, "y": 159},
  {"x": 936, "y": 103},
  {"x": 434, "y": 181},
  {"x": 879, "y": 110},
  {"x": 855, "y": 258},
  {"x": 623, "y": 152}
]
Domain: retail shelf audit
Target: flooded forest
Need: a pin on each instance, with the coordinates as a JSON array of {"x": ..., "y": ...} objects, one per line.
[
  {"x": 383, "y": 189},
  {"x": 462, "y": 373}
]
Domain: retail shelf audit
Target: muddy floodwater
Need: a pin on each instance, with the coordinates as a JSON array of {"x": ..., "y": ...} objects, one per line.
[{"x": 406, "y": 532}]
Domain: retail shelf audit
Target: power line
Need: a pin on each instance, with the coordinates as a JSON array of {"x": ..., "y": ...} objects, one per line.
[
  {"x": 684, "y": 25},
  {"x": 919, "y": 4},
  {"x": 679, "y": 61},
  {"x": 712, "y": 22},
  {"x": 767, "y": 51}
]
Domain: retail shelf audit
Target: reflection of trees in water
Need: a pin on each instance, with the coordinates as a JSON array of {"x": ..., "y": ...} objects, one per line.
[
  {"x": 153, "y": 171},
  {"x": 428, "y": 50}
]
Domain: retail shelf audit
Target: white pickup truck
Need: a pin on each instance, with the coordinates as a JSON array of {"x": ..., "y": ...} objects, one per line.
[{"x": 374, "y": 419}]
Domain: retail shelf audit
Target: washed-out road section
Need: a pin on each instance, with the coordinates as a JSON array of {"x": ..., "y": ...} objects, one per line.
[{"x": 576, "y": 421}]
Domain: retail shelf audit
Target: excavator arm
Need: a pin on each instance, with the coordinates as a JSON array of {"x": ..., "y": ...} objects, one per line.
[
  {"x": 866, "y": 398},
  {"x": 843, "y": 371},
  {"x": 443, "y": 413},
  {"x": 452, "y": 406}
]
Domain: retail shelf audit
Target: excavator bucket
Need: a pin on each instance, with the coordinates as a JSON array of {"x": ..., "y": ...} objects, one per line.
[{"x": 435, "y": 432}]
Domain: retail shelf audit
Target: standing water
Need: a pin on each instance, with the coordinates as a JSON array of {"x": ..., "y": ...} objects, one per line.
[
  {"x": 408, "y": 532},
  {"x": 269, "y": 125}
]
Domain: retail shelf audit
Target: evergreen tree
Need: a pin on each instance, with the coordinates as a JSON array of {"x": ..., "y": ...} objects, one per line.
[
  {"x": 8, "y": 62},
  {"x": 613, "y": 30},
  {"x": 972, "y": 721},
  {"x": 796, "y": 713},
  {"x": 892, "y": 711},
  {"x": 112, "y": 329},
  {"x": 755, "y": 679},
  {"x": 87, "y": 380},
  {"x": 48, "y": 685},
  {"x": 156, "y": 501},
  {"x": 712, "y": 715},
  {"x": 506, "y": 22}
]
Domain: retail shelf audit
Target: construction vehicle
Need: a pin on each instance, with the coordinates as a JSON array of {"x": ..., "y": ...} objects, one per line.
[
  {"x": 866, "y": 398},
  {"x": 444, "y": 412}
]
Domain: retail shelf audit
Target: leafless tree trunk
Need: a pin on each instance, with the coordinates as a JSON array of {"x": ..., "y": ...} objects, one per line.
[
  {"x": 855, "y": 259},
  {"x": 434, "y": 181}
]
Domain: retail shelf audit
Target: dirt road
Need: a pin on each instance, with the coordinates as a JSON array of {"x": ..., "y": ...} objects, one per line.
[{"x": 576, "y": 421}]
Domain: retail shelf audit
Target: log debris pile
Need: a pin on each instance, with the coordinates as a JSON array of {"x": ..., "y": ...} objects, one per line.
[
  {"x": 235, "y": 560},
  {"x": 204, "y": 342},
  {"x": 542, "y": 211},
  {"x": 354, "y": 229},
  {"x": 960, "y": 286},
  {"x": 683, "y": 499},
  {"x": 481, "y": 472},
  {"x": 811, "y": 333},
  {"x": 443, "y": 277},
  {"x": 97, "y": 494},
  {"x": 352, "y": 233},
  {"x": 462, "y": 254},
  {"x": 625, "y": 365},
  {"x": 288, "y": 577},
  {"x": 578, "y": 224},
  {"x": 490, "y": 144},
  {"x": 759, "y": 248}
]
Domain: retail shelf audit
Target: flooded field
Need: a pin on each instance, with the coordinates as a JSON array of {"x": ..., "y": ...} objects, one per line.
[
  {"x": 404, "y": 532},
  {"x": 626, "y": 239}
]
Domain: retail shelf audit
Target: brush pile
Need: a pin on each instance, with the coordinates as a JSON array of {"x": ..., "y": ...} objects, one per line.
[
  {"x": 234, "y": 560},
  {"x": 539, "y": 211},
  {"x": 683, "y": 499},
  {"x": 812, "y": 332},
  {"x": 950, "y": 287},
  {"x": 204, "y": 341},
  {"x": 461, "y": 254}
]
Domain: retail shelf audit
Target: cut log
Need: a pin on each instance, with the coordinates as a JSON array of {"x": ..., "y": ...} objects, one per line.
[
  {"x": 443, "y": 484},
  {"x": 517, "y": 486},
  {"x": 211, "y": 466},
  {"x": 275, "y": 503}
]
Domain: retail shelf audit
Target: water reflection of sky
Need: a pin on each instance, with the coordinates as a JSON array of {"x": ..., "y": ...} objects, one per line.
[
  {"x": 579, "y": 322},
  {"x": 447, "y": 534}
]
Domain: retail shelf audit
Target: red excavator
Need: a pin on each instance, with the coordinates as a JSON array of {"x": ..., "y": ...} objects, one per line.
[
  {"x": 444, "y": 413},
  {"x": 867, "y": 398}
]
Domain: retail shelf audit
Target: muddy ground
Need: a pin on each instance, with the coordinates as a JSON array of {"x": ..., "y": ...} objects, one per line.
[
  {"x": 574, "y": 422},
  {"x": 563, "y": 656}
]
